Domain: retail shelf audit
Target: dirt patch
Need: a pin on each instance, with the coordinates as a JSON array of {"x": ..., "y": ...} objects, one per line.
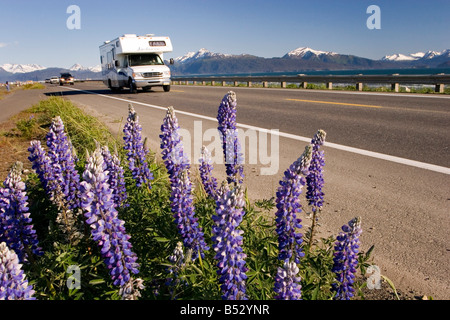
[{"x": 13, "y": 147}]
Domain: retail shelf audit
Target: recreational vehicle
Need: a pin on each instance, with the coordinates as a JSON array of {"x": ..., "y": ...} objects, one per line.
[{"x": 133, "y": 62}]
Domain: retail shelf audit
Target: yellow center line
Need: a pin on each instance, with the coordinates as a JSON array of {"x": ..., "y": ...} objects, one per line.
[{"x": 338, "y": 103}]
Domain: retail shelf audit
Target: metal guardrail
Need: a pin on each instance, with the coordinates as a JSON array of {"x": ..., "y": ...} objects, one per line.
[{"x": 438, "y": 80}]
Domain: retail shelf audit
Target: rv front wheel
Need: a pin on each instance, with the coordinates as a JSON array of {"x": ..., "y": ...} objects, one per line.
[
  {"x": 132, "y": 87},
  {"x": 166, "y": 88}
]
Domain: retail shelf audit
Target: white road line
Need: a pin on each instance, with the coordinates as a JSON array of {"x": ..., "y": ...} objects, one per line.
[{"x": 371, "y": 154}]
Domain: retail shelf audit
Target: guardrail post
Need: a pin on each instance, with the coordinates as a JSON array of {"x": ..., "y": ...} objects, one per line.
[
  {"x": 224, "y": 83},
  {"x": 359, "y": 86},
  {"x": 265, "y": 84},
  {"x": 203, "y": 83},
  {"x": 329, "y": 85},
  {"x": 395, "y": 87},
  {"x": 283, "y": 84},
  {"x": 249, "y": 83},
  {"x": 235, "y": 83},
  {"x": 213, "y": 83},
  {"x": 439, "y": 88},
  {"x": 304, "y": 85}
]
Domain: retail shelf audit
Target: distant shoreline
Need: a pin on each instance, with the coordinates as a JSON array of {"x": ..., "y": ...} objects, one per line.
[{"x": 401, "y": 71}]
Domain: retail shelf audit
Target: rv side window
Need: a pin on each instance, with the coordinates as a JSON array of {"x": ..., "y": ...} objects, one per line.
[{"x": 144, "y": 59}]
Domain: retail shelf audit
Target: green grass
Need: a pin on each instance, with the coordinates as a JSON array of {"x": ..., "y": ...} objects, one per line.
[
  {"x": 31, "y": 86},
  {"x": 85, "y": 130}
]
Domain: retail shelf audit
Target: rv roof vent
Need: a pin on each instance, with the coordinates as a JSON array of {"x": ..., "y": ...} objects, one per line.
[
  {"x": 129, "y": 35},
  {"x": 149, "y": 34}
]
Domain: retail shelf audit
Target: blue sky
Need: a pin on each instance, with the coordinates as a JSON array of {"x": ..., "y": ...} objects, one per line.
[{"x": 36, "y": 31}]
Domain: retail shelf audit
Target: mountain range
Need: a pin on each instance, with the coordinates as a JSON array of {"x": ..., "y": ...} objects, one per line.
[{"x": 302, "y": 59}]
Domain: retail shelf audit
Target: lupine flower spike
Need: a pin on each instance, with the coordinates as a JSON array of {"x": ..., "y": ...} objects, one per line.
[
  {"x": 106, "y": 227},
  {"x": 116, "y": 178},
  {"x": 16, "y": 229},
  {"x": 228, "y": 241},
  {"x": 41, "y": 164},
  {"x": 226, "y": 117},
  {"x": 44, "y": 168},
  {"x": 181, "y": 198},
  {"x": 346, "y": 259},
  {"x": 314, "y": 180},
  {"x": 136, "y": 150},
  {"x": 60, "y": 152},
  {"x": 177, "y": 260},
  {"x": 57, "y": 173},
  {"x": 13, "y": 282},
  {"x": 208, "y": 181},
  {"x": 287, "y": 283}
]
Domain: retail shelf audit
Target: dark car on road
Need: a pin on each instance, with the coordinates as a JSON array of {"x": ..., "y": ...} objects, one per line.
[{"x": 66, "y": 78}]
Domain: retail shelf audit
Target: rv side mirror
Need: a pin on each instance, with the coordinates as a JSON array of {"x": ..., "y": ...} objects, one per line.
[
  {"x": 171, "y": 61},
  {"x": 117, "y": 63}
]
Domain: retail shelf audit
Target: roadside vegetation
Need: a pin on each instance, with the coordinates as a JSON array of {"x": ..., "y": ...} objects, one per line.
[
  {"x": 115, "y": 194},
  {"x": 28, "y": 86}
]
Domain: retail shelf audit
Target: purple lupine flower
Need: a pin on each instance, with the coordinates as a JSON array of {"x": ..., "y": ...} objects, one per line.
[
  {"x": 136, "y": 150},
  {"x": 132, "y": 289},
  {"x": 208, "y": 181},
  {"x": 228, "y": 241},
  {"x": 106, "y": 227},
  {"x": 57, "y": 173},
  {"x": 287, "y": 282},
  {"x": 16, "y": 228},
  {"x": 116, "y": 178},
  {"x": 60, "y": 152},
  {"x": 41, "y": 164},
  {"x": 226, "y": 117},
  {"x": 314, "y": 179},
  {"x": 181, "y": 198},
  {"x": 346, "y": 259},
  {"x": 177, "y": 260},
  {"x": 287, "y": 225},
  {"x": 13, "y": 282}
]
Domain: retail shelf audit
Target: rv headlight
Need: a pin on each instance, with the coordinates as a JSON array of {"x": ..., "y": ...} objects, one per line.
[
  {"x": 166, "y": 73},
  {"x": 137, "y": 75}
]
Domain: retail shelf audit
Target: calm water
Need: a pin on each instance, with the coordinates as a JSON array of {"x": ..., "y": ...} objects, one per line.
[{"x": 344, "y": 72}]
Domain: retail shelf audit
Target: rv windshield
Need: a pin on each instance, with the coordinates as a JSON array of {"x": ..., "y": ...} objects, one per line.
[{"x": 144, "y": 60}]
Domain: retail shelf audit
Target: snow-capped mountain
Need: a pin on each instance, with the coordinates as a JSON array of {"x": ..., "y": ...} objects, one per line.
[
  {"x": 200, "y": 54},
  {"x": 79, "y": 67},
  {"x": 417, "y": 56},
  {"x": 21, "y": 68},
  {"x": 306, "y": 52},
  {"x": 403, "y": 57}
]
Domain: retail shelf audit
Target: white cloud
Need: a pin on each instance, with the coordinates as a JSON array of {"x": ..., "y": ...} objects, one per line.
[{"x": 5, "y": 44}]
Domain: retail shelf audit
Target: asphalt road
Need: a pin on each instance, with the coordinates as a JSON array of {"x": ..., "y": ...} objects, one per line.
[{"x": 387, "y": 160}]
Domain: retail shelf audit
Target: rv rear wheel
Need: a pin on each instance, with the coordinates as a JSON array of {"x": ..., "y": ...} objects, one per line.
[{"x": 166, "y": 88}]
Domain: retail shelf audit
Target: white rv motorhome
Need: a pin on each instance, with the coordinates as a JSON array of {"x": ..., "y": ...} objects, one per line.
[{"x": 133, "y": 62}]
